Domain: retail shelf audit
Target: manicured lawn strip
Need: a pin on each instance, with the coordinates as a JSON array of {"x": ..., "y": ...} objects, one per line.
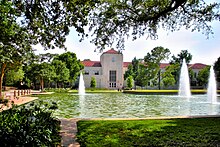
[
  {"x": 169, "y": 132},
  {"x": 193, "y": 91},
  {"x": 96, "y": 91}
]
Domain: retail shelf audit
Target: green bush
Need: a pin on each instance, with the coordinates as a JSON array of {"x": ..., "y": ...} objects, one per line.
[
  {"x": 58, "y": 90},
  {"x": 30, "y": 125}
]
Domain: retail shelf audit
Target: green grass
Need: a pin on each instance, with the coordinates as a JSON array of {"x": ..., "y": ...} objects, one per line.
[
  {"x": 170, "y": 132},
  {"x": 96, "y": 91},
  {"x": 193, "y": 91}
]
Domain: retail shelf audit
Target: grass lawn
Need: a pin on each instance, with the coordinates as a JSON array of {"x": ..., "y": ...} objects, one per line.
[
  {"x": 170, "y": 132},
  {"x": 95, "y": 91}
]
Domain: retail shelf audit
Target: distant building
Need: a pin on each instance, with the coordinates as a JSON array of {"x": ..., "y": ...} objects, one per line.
[{"x": 109, "y": 71}]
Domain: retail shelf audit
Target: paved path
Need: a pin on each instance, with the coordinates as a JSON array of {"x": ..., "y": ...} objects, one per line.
[{"x": 68, "y": 132}]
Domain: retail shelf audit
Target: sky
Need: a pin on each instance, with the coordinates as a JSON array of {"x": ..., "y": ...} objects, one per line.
[{"x": 203, "y": 50}]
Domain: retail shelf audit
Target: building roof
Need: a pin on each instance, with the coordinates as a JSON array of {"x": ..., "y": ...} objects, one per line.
[
  {"x": 197, "y": 66},
  {"x": 164, "y": 65},
  {"x": 125, "y": 64},
  {"x": 111, "y": 51},
  {"x": 89, "y": 63}
]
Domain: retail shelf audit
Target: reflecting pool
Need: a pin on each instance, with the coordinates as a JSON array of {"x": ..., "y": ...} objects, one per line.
[{"x": 119, "y": 105}]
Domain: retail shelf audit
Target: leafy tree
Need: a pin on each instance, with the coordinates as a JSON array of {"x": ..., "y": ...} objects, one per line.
[
  {"x": 129, "y": 72},
  {"x": 26, "y": 23},
  {"x": 217, "y": 69},
  {"x": 13, "y": 76},
  {"x": 45, "y": 72},
  {"x": 184, "y": 54},
  {"x": 62, "y": 72},
  {"x": 133, "y": 70},
  {"x": 169, "y": 76},
  {"x": 130, "y": 82},
  {"x": 93, "y": 82},
  {"x": 135, "y": 64},
  {"x": 72, "y": 63},
  {"x": 48, "y": 57},
  {"x": 14, "y": 43},
  {"x": 115, "y": 20},
  {"x": 152, "y": 65},
  {"x": 203, "y": 76}
]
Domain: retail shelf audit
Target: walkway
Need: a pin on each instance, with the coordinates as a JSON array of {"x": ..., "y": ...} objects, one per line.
[
  {"x": 18, "y": 100},
  {"x": 68, "y": 132}
]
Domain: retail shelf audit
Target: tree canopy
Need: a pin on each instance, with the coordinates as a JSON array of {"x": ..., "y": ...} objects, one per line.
[
  {"x": 184, "y": 54},
  {"x": 115, "y": 20}
]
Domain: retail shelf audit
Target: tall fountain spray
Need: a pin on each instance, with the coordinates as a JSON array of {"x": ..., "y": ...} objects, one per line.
[
  {"x": 81, "y": 90},
  {"x": 212, "y": 91},
  {"x": 184, "y": 86}
]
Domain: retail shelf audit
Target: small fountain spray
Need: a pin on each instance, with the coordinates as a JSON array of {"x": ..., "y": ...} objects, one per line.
[
  {"x": 81, "y": 90},
  {"x": 184, "y": 86},
  {"x": 212, "y": 88}
]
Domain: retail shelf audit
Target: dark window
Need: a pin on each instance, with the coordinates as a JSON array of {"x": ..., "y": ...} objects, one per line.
[
  {"x": 112, "y": 75},
  {"x": 86, "y": 72},
  {"x": 112, "y": 84},
  {"x": 96, "y": 72}
]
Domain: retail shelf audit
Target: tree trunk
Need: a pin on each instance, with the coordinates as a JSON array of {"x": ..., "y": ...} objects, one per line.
[
  {"x": 42, "y": 84},
  {"x": 1, "y": 78}
]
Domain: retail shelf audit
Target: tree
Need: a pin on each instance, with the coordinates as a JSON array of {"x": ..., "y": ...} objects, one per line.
[
  {"x": 72, "y": 63},
  {"x": 129, "y": 72},
  {"x": 93, "y": 82},
  {"x": 115, "y": 20},
  {"x": 130, "y": 82},
  {"x": 169, "y": 76},
  {"x": 217, "y": 69},
  {"x": 203, "y": 76},
  {"x": 184, "y": 54},
  {"x": 45, "y": 72},
  {"x": 14, "y": 44},
  {"x": 150, "y": 71},
  {"x": 62, "y": 72},
  {"x": 13, "y": 76},
  {"x": 26, "y": 23}
]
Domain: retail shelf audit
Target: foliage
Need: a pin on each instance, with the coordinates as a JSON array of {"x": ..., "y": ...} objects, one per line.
[
  {"x": 130, "y": 82},
  {"x": 168, "y": 79},
  {"x": 12, "y": 76},
  {"x": 166, "y": 132},
  {"x": 72, "y": 63},
  {"x": 171, "y": 74},
  {"x": 114, "y": 20},
  {"x": 61, "y": 71},
  {"x": 48, "y": 22},
  {"x": 58, "y": 90},
  {"x": 203, "y": 76},
  {"x": 93, "y": 82},
  {"x": 149, "y": 71},
  {"x": 217, "y": 69},
  {"x": 129, "y": 72},
  {"x": 184, "y": 54},
  {"x": 15, "y": 44},
  {"x": 30, "y": 125}
]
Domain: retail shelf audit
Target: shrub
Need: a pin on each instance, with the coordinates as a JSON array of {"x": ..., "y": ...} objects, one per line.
[{"x": 30, "y": 125}]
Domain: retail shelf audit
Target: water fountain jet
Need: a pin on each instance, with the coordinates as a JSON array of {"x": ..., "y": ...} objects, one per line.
[
  {"x": 184, "y": 86},
  {"x": 81, "y": 90},
  {"x": 212, "y": 88}
]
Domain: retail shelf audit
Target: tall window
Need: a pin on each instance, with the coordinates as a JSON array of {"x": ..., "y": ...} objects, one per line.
[
  {"x": 112, "y": 78},
  {"x": 112, "y": 75}
]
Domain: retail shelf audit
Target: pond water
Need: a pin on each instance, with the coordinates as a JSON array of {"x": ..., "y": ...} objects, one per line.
[{"x": 119, "y": 105}]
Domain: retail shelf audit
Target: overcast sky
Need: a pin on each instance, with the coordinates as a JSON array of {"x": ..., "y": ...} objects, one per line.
[{"x": 202, "y": 49}]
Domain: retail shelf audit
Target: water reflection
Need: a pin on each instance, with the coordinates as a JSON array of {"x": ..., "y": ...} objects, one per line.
[{"x": 112, "y": 105}]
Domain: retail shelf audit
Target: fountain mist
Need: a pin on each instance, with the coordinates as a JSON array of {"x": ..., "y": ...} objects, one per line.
[
  {"x": 212, "y": 92},
  {"x": 184, "y": 86},
  {"x": 81, "y": 90}
]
